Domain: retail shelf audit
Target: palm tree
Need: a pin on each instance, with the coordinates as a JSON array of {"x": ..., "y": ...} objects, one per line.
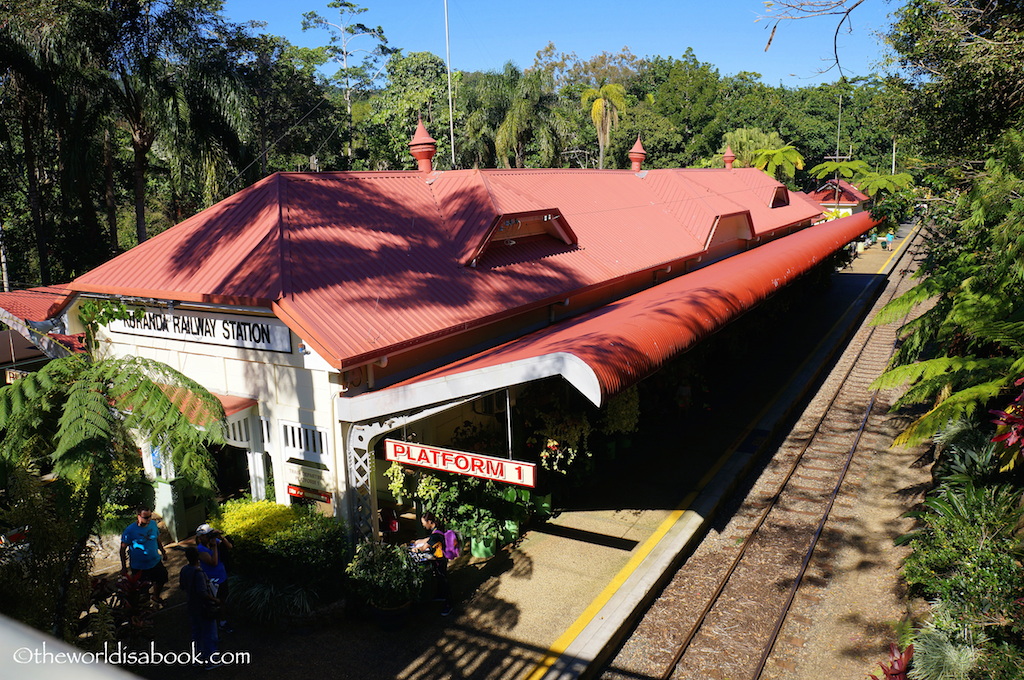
[
  {"x": 746, "y": 143},
  {"x": 80, "y": 416},
  {"x": 164, "y": 80},
  {"x": 604, "y": 103},
  {"x": 486, "y": 98},
  {"x": 532, "y": 117}
]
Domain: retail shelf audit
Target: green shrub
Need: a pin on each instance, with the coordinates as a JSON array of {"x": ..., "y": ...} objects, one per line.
[
  {"x": 384, "y": 575},
  {"x": 938, "y": 655},
  {"x": 285, "y": 558},
  {"x": 271, "y": 602},
  {"x": 966, "y": 554},
  {"x": 1002, "y": 661},
  {"x": 249, "y": 520}
]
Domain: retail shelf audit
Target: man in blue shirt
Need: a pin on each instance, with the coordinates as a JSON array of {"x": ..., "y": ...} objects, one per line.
[{"x": 141, "y": 550}]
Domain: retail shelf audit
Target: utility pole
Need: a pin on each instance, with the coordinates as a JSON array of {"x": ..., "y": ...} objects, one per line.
[
  {"x": 3, "y": 260},
  {"x": 837, "y": 157},
  {"x": 451, "y": 106}
]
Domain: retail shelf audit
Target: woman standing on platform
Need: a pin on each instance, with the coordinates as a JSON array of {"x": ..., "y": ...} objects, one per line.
[{"x": 433, "y": 544}]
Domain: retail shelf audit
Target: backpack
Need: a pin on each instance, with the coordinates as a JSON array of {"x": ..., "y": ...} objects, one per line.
[{"x": 451, "y": 544}]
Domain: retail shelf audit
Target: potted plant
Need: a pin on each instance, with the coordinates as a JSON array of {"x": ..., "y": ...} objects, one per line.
[
  {"x": 482, "y": 529},
  {"x": 515, "y": 508},
  {"x": 386, "y": 578}
]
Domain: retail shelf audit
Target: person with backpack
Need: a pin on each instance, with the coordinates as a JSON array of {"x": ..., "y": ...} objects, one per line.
[{"x": 440, "y": 545}]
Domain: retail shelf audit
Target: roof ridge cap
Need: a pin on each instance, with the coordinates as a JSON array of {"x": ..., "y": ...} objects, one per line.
[
  {"x": 283, "y": 273},
  {"x": 487, "y": 189}
]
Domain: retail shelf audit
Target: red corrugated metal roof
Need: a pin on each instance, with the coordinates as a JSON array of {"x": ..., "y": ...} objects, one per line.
[
  {"x": 36, "y": 304},
  {"x": 799, "y": 196},
  {"x": 363, "y": 263},
  {"x": 72, "y": 343},
  {"x": 627, "y": 340},
  {"x": 233, "y": 404},
  {"x": 847, "y": 194}
]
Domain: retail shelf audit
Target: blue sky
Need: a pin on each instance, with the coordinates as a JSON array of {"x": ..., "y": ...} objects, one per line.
[{"x": 484, "y": 35}]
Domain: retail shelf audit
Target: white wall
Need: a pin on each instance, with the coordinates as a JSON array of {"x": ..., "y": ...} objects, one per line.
[{"x": 292, "y": 387}]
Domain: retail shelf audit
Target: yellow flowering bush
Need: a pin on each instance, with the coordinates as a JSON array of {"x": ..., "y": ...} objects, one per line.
[{"x": 255, "y": 521}]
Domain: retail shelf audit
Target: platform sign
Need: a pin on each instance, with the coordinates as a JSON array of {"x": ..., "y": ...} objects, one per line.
[{"x": 462, "y": 462}]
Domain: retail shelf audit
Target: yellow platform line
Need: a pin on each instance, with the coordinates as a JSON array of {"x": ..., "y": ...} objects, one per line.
[
  {"x": 898, "y": 248},
  {"x": 559, "y": 646}
]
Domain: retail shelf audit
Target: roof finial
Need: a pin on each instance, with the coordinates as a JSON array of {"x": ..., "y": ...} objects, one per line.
[
  {"x": 637, "y": 155},
  {"x": 423, "y": 147},
  {"x": 729, "y": 157}
]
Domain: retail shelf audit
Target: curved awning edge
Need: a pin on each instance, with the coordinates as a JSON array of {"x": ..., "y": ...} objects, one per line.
[{"x": 444, "y": 388}]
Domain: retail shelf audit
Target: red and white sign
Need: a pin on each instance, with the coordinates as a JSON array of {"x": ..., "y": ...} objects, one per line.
[
  {"x": 312, "y": 494},
  {"x": 462, "y": 462}
]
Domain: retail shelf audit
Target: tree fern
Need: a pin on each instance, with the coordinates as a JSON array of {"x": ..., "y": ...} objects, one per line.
[
  {"x": 83, "y": 405},
  {"x": 899, "y": 307},
  {"x": 969, "y": 346}
]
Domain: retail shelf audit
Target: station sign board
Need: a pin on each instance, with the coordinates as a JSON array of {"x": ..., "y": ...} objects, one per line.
[
  {"x": 230, "y": 330},
  {"x": 305, "y": 475},
  {"x": 462, "y": 462}
]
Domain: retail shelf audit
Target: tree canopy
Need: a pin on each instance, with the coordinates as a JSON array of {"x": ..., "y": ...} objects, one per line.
[{"x": 126, "y": 118}]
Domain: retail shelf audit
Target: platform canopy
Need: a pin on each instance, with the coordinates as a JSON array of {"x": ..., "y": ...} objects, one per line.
[{"x": 607, "y": 350}]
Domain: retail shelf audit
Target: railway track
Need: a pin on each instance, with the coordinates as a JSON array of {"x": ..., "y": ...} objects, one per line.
[{"x": 722, "y": 613}]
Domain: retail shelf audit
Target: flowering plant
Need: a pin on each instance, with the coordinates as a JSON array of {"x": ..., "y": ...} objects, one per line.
[
  {"x": 1010, "y": 432},
  {"x": 565, "y": 437}
]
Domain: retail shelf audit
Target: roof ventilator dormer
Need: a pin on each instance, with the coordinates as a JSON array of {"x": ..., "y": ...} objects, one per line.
[
  {"x": 514, "y": 229},
  {"x": 780, "y": 198}
]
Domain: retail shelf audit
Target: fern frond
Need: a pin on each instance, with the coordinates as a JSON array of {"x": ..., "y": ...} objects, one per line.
[
  {"x": 913, "y": 373},
  {"x": 85, "y": 418},
  {"x": 1009, "y": 335},
  {"x": 901, "y": 306},
  {"x": 961, "y": 404}
]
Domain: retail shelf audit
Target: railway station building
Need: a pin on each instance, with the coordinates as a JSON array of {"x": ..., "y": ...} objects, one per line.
[{"x": 331, "y": 311}]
